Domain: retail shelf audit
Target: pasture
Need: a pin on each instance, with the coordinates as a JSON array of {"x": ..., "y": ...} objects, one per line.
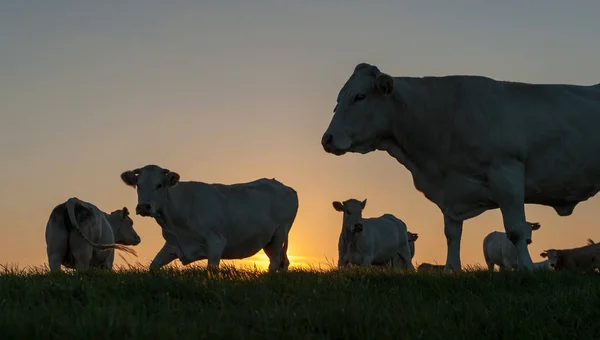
[{"x": 353, "y": 303}]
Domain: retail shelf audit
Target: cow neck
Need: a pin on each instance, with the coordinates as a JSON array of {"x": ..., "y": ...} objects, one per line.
[
  {"x": 421, "y": 131},
  {"x": 345, "y": 235},
  {"x": 357, "y": 242},
  {"x": 171, "y": 214}
]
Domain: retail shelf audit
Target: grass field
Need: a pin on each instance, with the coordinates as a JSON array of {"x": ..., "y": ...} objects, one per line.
[{"x": 302, "y": 304}]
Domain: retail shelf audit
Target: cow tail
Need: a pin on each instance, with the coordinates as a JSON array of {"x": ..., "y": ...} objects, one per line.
[{"x": 71, "y": 211}]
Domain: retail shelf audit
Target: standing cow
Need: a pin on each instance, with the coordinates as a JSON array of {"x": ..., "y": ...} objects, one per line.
[
  {"x": 371, "y": 241},
  {"x": 473, "y": 143},
  {"x": 80, "y": 236},
  {"x": 498, "y": 250},
  {"x": 215, "y": 221}
]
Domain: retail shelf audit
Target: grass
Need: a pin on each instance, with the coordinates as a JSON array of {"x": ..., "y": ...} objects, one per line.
[{"x": 195, "y": 303}]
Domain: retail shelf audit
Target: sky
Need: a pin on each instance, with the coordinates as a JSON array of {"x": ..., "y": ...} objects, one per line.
[{"x": 231, "y": 91}]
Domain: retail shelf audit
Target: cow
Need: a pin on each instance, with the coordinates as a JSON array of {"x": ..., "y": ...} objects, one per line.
[
  {"x": 499, "y": 250},
  {"x": 474, "y": 144},
  {"x": 81, "y": 236},
  {"x": 215, "y": 221},
  {"x": 428, "y": 267},
  {"x": 412, "y": 238},
  {"x": 585, "y": 258},
  {"x": 371, "y": 241}
]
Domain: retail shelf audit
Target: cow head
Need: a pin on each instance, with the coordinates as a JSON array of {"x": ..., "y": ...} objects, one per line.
[
  {"x": 532, "y": 226},
  {"x": 412, "y": 237},
  {"x": 152, "y": 183},
  {"x": 363, "y": 112},
  {"x": 553, "y": 257},
  {"x": 122, "y": 226},
  {"x": 352, "y": 209}
]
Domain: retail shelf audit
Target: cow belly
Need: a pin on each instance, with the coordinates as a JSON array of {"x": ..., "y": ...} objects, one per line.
[{"x": 242, "y": 243}]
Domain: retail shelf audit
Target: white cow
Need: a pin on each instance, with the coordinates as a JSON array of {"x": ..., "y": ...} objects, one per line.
[
  {"x": 215, "y": 221},
  {"x": 80, "y": 236},
  {"x": 473, "y": 143},
  {"x": 499, "y": 250},
  {"x": 371, "y": 241},
  {"x": 585, "y": 258}
]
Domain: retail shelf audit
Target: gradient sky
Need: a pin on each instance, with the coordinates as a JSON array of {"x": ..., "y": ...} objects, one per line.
[{"x": 230, "y": 91}]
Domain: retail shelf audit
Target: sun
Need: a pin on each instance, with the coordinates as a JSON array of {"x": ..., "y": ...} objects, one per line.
[{"x": 261, "y": 261}]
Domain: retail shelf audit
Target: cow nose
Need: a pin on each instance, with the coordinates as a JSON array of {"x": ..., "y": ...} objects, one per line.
[
  {"x": 327, "y": 139},
  {"x": 142, "y": 209}
]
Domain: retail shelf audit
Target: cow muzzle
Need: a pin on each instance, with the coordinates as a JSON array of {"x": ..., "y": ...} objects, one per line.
[
  {"x": 329, "y": 146},
  {"x": 143, "y": 209},
  {"x": 358, "y": 227}
]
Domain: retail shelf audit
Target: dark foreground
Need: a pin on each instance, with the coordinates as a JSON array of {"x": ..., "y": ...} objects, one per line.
[{"x": 350, "y": 304}]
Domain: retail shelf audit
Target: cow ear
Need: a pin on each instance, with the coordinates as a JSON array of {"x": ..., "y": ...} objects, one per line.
[
  {"x": 544, "y": 254},
  {"x": 172, "y": 178},
  {"x": 129, "y": 178},
  {"x": 338, "y": 206},
  {"x": 125, "y": 212},
  {"x": 535, "y": 226},
  {"x": 384, "y": 83},
  {"x": 363, "y": 204}
]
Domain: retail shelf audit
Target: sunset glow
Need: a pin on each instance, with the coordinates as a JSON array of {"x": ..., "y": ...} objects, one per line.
[{"x": 93, "y": 89}]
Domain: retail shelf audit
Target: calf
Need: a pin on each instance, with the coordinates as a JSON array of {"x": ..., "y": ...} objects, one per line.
[
  {"x": 584, "y": 258},
  {"x": 499, "y": 250},
  {"x": 371, "y": 241},
  {"x": 412, "y": 238},
  {"x": 74, "y": 230},
  {"x": 430, "y": 267}
]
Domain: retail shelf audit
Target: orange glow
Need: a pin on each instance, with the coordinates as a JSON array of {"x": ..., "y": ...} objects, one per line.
[{"x": 179, "y": 87}]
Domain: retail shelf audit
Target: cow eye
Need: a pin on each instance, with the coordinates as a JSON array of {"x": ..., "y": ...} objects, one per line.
[
  {"x": 359, "y": 97},
  {"x": 348, "y": 212},
  {"x": 159, "y": 186}
]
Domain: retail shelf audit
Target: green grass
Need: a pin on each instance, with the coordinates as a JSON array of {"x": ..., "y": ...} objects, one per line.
[{"x": 302, "y": 304}]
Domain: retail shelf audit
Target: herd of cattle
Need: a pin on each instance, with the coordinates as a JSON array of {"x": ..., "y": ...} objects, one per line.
[{"x": 471, "y": 144}]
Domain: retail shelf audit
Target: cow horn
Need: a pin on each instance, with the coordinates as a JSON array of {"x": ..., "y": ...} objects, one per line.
[
  {"x": 136, "y": 171},
  {"x": 166, "y": 171}
]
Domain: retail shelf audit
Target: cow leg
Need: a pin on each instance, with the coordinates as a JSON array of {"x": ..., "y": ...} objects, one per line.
[
  {"x": 453, "y": 231},
  {"x": 275, "y": 251},
  {"x": 405, "y": 256},
  {"x": 57, "y": 248},
  {"x": 108, "y": 263},
  {"x": 507, "y": 183},
  {"x": 216, "y": 245},
  {"x": 55, "y": 261},
  {"x": 164, "y": 256},
  {"x": 81, "y": 251}
]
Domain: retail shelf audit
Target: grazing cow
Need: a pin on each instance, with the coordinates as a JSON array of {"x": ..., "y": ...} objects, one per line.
[
  {"x": 473, "y": 143},
  {"x": 215, "y": 221},
  {"x": 584, "y": 258},
  {"x": 80, "y": 236},
  {"x": 499, "y": 250},
  {"x": 428, "y": 267},
  {"x": 371, "y": 241}
]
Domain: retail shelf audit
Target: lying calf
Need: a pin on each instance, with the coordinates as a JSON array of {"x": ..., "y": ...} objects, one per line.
[
  {"x": 431, "y": 267},
  {"x": 75, "y": 229},
  {"x": 585, "y": 258},
  {"x": 499, "y": 250},
  {"x": 371, "y": 241}
]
